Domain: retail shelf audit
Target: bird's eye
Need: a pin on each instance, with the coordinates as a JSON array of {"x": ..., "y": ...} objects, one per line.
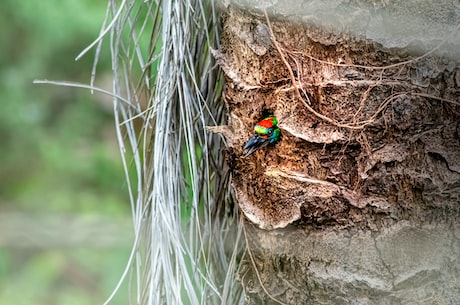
[{"x": 270, "y": 131}]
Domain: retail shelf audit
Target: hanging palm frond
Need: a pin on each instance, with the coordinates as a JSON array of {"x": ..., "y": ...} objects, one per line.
[{"x": 166, "y": 89}]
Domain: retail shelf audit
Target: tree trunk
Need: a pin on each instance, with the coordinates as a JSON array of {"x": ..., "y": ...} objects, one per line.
[{"x": 366, "y": 177}]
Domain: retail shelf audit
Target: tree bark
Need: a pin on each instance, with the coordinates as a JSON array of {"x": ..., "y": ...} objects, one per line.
[{"x": 366, "y": 177}]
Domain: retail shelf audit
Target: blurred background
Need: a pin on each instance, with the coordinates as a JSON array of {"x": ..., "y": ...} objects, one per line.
[{"x": 65, "y": 219}]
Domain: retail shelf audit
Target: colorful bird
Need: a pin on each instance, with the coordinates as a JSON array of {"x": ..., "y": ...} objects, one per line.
[{"x": 266, "y": 133}]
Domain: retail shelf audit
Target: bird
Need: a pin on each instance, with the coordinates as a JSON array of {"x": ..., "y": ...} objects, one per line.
[{"x": 266, "y": 132}]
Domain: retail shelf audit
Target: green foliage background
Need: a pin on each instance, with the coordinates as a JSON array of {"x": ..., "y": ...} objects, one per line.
[{"x": 65, "y": 228}]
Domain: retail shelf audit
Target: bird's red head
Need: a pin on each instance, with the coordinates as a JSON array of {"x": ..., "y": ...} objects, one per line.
[{"x": 268, "y": 122}]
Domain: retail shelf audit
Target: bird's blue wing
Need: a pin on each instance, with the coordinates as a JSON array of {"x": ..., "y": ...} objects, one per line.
[{"x": 255, "y": 143}]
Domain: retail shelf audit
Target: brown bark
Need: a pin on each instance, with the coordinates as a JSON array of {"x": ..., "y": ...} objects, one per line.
[
  {"x": 368, "y": 134},
  {"x": 366, "y": 177}
]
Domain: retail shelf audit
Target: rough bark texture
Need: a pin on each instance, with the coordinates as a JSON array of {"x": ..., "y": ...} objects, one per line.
[
  {"x": 367, "y": 173},
  {"x": 382, "y": 141},
  {"x": 399, "y": 264}
]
